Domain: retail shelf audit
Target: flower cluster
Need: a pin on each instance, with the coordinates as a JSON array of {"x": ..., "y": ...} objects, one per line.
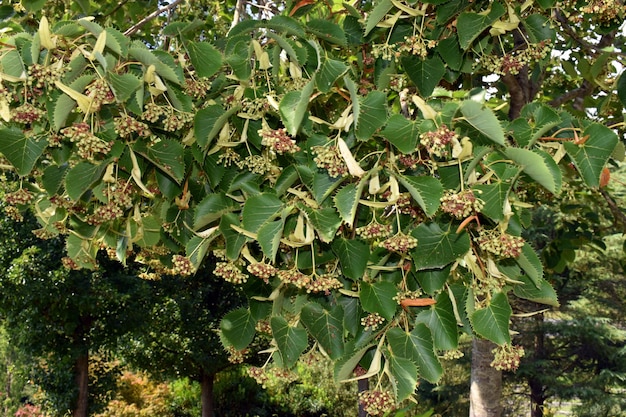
[
  {"x": 236, "y": 356},
  {"x": 262, "y": 270},
  {"x": 461, "y": 205},
  {"x": 182, "y": 265},
  {"x": 294, "y": 277},
  {"x": 329, "y": 158},
  {"x": 119, "y": 199},
  {"x": 197, "y": 88},
  {"x": 40, "y": 76},
  {"x": 323, "y": 283},
  {"x": 605, "y": 10},
  {"x": 374, "y": 230},
  {"x": 507, "y": 357},
  {"x": 100, "y": 94},
  {"x": 416, "y": 45},
  {"x": 230, "y": 272},
  {"x": 257, "y": 164},
  {"x": 451, "y": 355},
  {"x": 263, "y": 326},
  {"x": 126, "y": 125},
  {"x": 19, "y": 197},
  {"x": 376, "y": 402},
  {"x": 511, "y": 63},
  {"x": 278, "y": 141},
  {"x": 88, "y": 144},
  {"x": 436, "y": 142},
  {"x": 400, "y": 243},
  {"x": 26, "y": 114},
  {"x": 171, "y": 119},
  {"x": 69, "y": 263},
  {"x": 372, "y": 321},
  {"x": 499, "y": 243},
  {"x": 105, "y": 213},
  {"x": 409, "y": 161},
  {"x": 258, "y": 374}
]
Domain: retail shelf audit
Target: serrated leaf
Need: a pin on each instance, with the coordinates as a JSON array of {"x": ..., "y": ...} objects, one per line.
[
  {"x": 197, "y": 248},
  {"x": 541, "y": 292},
  {"x": 81, "y": 178},
  {"x": 211, "y": 208},
  {"x": 294, "y": 49},
  {"x": 471, "y": 25},
  {"x": 329, "y": 72},
  {"x": 167, "y": 155},
  {"x": 591, "y": 156},
  {"x": 346, "y": 201},
  {"x": 52, "y": 178},
  {"x": 441, "y": 321},
  {"x": 372, "y": 115},
  {"x": 208, "y": 122},
  {"x": 403, "y": 376},
  {"x": 287, "y": 25},
  {"x": 540, "y": 28},
  {"x": 260, "y": 209},
  {"x": 234, "y": 240},
  {"x": 416, "y": 346},
  {"x": 621, "y": 88},
  {"x": 326, "y": 223},
  {"x": 325, "y": 326},
  {"x": 344, "y": 367},
  {"x": 401, "y": 133},
  {"x": 238, "y": 328},
  {"x": 148, "y": 58},
  {"x": 425, "y": 190},
  {"x": 205, "y": 58},
  {"x": 327, "y": 30},
  {"x": 353, "y": 256},
  {"x": 293, "y": 107},
  {"x": 377, "y": 14},
  {"x": 530, "y": 264},
  {"x": 269, "y": 236},
  {"x": 291, "y": 340},
  {"x": 436, "y": 247},
  {"x": 483, "y": 120},
  {"x": 59, "y": 108},
  {"x": 493, "y": 196},
  {"x": 124, "y": 85},
  {"x": 492, "y": 322},
  {"x": 425, "y": 73},
  {"x": 538, "y": 165},
  {"x": 116, "y": 41},
  {"x": 433, "y": 280},
  {"x": 379, "y": 298},
  {"x": 12, "y": 64},
  {"x": 22, "y": 152}
]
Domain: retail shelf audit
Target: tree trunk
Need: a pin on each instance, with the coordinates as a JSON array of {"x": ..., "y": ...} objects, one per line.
[
  {"x": 486, "y": 386},
  {"x": 81, "y": 369},
  {"x": 363, "y": 385},
  {"x": 537, "y": 393},
  {"x": 207, "y": 394}
]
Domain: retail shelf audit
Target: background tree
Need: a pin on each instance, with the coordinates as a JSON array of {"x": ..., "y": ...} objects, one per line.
[{"x": 351, "y": 160}]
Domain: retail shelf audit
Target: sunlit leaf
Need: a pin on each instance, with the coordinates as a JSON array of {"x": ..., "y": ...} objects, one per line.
[
  {"x": 291, "y": 340},
  {"x": 492, "y": 322},
  {"x": 326, "y": 326}
]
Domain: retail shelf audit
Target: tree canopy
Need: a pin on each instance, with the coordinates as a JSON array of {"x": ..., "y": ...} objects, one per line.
[{"x": 364, "y": 172}]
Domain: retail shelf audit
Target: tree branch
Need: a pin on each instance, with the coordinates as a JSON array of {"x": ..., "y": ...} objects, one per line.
[{"x": 133, "y": 29}]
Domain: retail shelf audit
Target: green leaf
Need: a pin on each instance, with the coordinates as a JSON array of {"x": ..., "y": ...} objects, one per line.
[
  {"x": 196, "y": 249},
  {"x": 234, "y": 240},
  {"x": 269, "y": 236},
  {"x": 325, "y": 221},
  {"x": 21, "y": 151},
  {"x": 82, "y": 250},
  {"x": 353, "y": 256},
  {"x": 238, "y": 58},
  {"x": 286, "y": 24},
  {"x": 52, "y": 178},
  {"x": 116, "y": 41},
  {"x": 211, "y": 208},
  {"x": 166, "y": 154},
  {"x": 484, "y": 120},
  {"x": 346, "y": 201},
  {"x": 451, "y": 53},
  {"x": 621, "y": 88},
  {"x": 433, "y": 280},
  {"x": 147, "y": 57},
  {"x": 539, "y": 166},
  {"x": 379, "y": 298},
  {"x": 494, "y": 196},
  {"x": 401, "y": 133},
  {"x": 59, "y": 108},
  {"x": 327, "y": 30},
  {"x": 591, "y": 156},
  {"x": 436, "y": 247},
  {"x": 441, "y": 321},
  {"x": 539, "y": 28},
  {"x": 150, "y": 234},
  {"x": 530, "y": 264},
  {"x": 12, "y": 64},
  {"x": 81, "y": 178},
  {"x": 425, "y": 190},
  {"x": 208, "y": 122},
  {"x": 344, "y": 367},
  {"x": 403, "y": 373},
  {"x": 260, "y": 209},
  {"x": 470, "y": 25},
  {"x": 238, "y": 328},
  {"x": 542, "y": 293},
  {"x": 293, "y": 107},
  {"x": 425, "y": 73},
  {"x": 492, "y": 322},
  {"x": 377, "y": 14},
  {"x": 329, "y": 72},
  {"x": 205, "y": 58},
  {"x": 294, "y": 49},
  {"x": 416, "y": 346},
  {"x": 325, "y": 326},
  {"x": 291, "y": 341},
  {"x": 124, "y": 85},
  {"x": 372, "y": 115}
]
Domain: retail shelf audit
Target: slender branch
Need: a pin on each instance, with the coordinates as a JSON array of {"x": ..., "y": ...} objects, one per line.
[
  {"x": 584, "y": 90},
  {"x": 133, "y": 29},
  {"x": 239, "y": 9},
  {"x": 116, "y": 8}
]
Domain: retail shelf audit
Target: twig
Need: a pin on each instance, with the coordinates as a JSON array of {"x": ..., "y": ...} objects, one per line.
[
  {"x": 133, "y": 29},
  {"x": 239, "y": 9}
]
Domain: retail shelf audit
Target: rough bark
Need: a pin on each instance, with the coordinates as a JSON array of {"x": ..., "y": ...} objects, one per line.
[
  {"x": 486, "y": 381},
  {"x": 537, "y": 391},
  {"x": 207, "y": 395},
  {"x": 363, "y": 385},
  {"x": 81, "y": 369}
]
